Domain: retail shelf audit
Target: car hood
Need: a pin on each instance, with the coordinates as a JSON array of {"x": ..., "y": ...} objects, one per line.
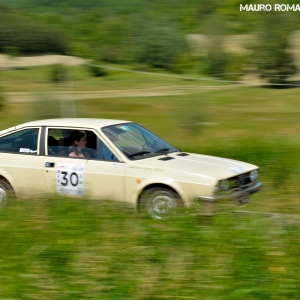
[{"x": 214, "y": 167}]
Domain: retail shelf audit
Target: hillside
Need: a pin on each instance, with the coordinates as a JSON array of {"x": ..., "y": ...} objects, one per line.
[{"x": 152, "y": 34}]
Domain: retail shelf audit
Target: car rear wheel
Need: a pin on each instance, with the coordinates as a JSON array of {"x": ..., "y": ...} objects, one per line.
[
  {"x": 160, "y": 203},
  {"x": 6, "y": 191}
]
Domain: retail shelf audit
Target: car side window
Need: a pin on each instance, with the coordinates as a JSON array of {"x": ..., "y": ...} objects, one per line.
[
  {"x": 60, "y": 143},
  {"x": 103, "y": 151},
  {"x": 24, "y": 141}
]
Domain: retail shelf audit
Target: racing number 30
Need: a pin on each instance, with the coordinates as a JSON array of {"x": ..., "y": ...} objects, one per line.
[{"x": 73, "y": 178}]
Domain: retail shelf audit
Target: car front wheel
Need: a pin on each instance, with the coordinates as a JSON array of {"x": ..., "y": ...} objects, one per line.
[
  {"x": 160, "y": 203},
  {"x": 5, "y": 191}
]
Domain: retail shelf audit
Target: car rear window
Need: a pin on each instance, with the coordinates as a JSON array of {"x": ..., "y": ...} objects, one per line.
[{"x": 24, "y": 141}]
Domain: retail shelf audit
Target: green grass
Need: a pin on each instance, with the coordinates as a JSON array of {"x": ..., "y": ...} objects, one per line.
[
  {"x": 79, "y": 78},
  {"x": 61, "y": 248}
]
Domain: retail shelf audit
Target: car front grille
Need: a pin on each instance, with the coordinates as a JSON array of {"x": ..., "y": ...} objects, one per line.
[{"x": 241, "y": 181}]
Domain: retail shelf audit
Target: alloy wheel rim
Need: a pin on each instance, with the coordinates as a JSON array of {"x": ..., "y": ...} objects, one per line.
[
  {"x": 161, "y": 206},
  {"x": 3, "y": 196}
]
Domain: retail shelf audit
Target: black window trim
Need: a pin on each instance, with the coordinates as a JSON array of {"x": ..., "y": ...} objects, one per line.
[{"x": 42, "y": 151}]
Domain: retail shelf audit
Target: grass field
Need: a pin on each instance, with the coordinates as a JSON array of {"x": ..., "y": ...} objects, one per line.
[{"x": 63, "y": 248}]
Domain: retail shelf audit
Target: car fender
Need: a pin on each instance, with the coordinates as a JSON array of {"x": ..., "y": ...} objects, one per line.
[
  {"x": 6, "y": 176},
  {"x": 168, "y": 182}
]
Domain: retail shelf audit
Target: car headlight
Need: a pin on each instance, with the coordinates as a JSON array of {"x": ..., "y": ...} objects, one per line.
[
  {"x": 223, "y": 185},
  {"x": 253, "y": 175}
]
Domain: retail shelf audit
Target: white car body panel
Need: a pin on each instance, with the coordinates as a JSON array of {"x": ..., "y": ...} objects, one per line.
[{"x": 190, "y": 176}]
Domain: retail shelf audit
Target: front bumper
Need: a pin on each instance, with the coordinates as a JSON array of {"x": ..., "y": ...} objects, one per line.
[
  {"x": 239, "y": 197},
  {"x": 236, "y": 195}
]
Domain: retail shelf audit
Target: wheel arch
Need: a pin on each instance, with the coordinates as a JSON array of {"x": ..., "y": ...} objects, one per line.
[
  {"x": 5, "y": 179},
  {"x": 8, "y": 185},
  {"x": 158, "y": 185}
]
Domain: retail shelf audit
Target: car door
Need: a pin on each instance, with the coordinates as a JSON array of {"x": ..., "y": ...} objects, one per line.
[
  {"x": 64, "y": 175},
  {"x": 100, "y": 175},
  {"x": 104, "y": 174},
  {"x": 21, "y": 162},
  {"x": 105, "y": 179}
]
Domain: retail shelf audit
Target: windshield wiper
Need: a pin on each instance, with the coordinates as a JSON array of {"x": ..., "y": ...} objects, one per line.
[
  {"x": 139, "y": 153},
  {"x": 167, "y": 150},
  {"x": 163, "y": 150}
]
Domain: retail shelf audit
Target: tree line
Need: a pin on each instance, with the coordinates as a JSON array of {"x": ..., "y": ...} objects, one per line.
[
  {"x": 152, "y": 34},
  {"x": 20, "y": 35}
]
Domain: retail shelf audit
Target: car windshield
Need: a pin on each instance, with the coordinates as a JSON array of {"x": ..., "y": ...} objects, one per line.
[{"x": 136, "y": 142}]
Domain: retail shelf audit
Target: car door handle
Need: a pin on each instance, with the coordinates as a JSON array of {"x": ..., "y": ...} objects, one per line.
[{"x": 49, "y": 165}]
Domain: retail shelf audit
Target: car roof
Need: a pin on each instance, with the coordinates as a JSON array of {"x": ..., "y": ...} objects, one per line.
[
  {"x": 68, "y": 122},
  {"x": 73, "y": 122}
]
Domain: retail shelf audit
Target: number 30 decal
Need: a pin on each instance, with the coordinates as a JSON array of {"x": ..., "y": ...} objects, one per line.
[
  {"x": 65, "y": 180},
  {"x": 73, "y": 178},
  {"x": 70, "y": 179}
]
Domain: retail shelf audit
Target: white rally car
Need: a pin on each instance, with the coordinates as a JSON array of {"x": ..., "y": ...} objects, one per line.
[{"x": 125, "y": 163}]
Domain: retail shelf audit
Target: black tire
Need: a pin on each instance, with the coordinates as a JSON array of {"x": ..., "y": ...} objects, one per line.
[
  {"x": 160, "y": 203},
  {"x": 6, "y": 191}
]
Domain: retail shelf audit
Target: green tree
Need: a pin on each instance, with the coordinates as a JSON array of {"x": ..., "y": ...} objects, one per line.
[
  {"x": 271, "y": 55},
  {"x": 218, "y": 62},
  {"x": 110, "y": 40},
  {"x": 157, "y": 43},
  {"x": 29, "y": 36}
]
